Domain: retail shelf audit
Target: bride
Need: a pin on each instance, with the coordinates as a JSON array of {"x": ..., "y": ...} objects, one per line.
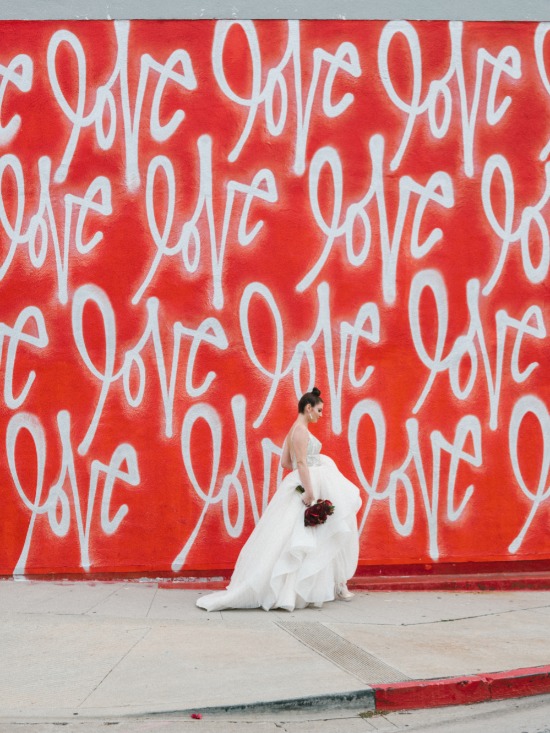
[{"x": 285, "y": 564}]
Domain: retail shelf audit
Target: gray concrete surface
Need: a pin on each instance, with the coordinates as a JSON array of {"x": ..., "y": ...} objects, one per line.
[
  {"x": 128, "y": 649},
  {"x": 244, "y": 9}
]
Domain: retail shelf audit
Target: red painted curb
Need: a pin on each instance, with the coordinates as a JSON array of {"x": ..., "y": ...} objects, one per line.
[
  {"x": 458, "y": 582},
  {"x": 534, "y": 679},
  {"x": 197, "y": 584},
  {"x": 461, "y": 690},
  {"x": 485, "y": 581}
]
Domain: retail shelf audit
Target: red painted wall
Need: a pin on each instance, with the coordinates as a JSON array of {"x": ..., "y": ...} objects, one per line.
[{"x": 201, "y": 220}]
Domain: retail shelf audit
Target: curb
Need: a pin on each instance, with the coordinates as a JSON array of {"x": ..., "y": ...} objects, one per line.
[
  {"x": 463, "y": 582},
  {"x": 411, "y": 695},
  {"x": 378, "y": 698},
  {"x": 355, "y": 699},
  {"x": 465, "y": 690},
  {"x": 503, "y": 581}
]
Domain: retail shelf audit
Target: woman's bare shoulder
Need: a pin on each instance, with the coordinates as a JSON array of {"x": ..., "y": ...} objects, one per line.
[{"x": 299, "y": 432}]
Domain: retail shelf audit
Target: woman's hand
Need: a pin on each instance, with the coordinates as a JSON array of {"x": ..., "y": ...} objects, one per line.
[{"x": 307, "y": 498}]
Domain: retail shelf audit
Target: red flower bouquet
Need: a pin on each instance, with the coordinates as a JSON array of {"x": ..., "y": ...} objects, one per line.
[{"x": 317, "y": 513}]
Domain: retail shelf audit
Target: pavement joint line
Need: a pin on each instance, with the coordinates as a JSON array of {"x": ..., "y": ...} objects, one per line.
[
  {"x": 98, "y": 603},
  {"x": 122, "y": 658},
  {"x": 350, "y": 623},
  {"x": 152, "y": 601},
  {"x": 481, "y": 615},
  {"x": 460, "y": 618}
]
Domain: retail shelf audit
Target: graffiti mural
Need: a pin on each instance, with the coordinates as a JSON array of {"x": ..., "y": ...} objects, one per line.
[{"x": 201, "y": 220}]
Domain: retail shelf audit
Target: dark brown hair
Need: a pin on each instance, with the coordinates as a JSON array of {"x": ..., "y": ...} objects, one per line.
[{"x": 309, "y": 398}]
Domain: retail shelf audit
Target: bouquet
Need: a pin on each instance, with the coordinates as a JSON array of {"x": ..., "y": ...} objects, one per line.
[{"x": 316, "y": 513}]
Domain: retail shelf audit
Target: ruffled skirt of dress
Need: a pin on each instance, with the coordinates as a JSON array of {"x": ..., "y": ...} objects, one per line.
[{"x": 286, "y": 565}]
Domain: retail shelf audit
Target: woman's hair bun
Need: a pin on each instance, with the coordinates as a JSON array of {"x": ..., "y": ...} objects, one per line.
[{"x": 309, "y": 398}]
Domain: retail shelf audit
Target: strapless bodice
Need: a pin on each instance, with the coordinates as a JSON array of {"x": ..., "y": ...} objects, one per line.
[{"x": 312, "y": 452}]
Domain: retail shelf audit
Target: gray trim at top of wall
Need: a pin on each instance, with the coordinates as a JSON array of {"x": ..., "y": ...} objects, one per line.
[{"x": 507, "y": 10}]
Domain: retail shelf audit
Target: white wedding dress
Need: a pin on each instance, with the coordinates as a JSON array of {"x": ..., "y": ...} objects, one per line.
[{"x": 286, "y": 565}]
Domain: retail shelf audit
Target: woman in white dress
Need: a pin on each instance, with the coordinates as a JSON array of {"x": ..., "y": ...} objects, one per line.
[{"x": 285, "y": 564}]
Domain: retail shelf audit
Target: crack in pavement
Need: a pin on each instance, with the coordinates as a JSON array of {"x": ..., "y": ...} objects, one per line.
[{"x": 123, "y": 657}]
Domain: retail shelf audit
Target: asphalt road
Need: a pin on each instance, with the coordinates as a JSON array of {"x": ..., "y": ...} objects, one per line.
[{"x": 526, "y": 715}]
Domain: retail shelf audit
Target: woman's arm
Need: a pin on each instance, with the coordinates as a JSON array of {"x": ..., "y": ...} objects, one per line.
[{"x": 300, "y": 439}]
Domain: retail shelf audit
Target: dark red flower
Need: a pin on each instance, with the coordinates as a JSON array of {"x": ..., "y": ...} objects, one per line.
[{"x": 317, "y": 513}]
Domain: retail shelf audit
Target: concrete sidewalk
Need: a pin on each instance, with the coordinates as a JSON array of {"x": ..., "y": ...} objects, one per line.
[{"x": 132, "y": 648}]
